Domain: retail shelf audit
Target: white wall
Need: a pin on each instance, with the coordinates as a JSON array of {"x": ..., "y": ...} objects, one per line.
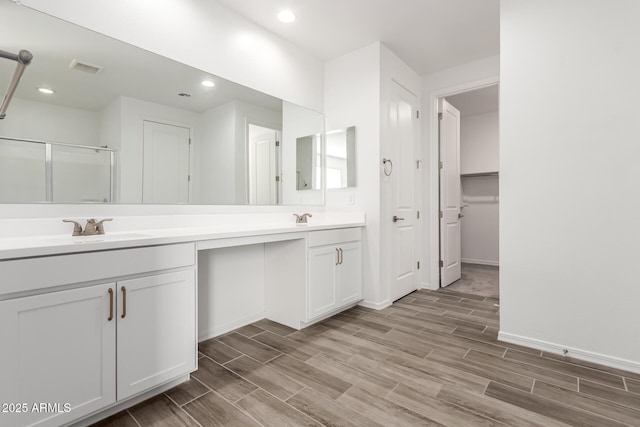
[
  {"x": 38, "y": 120},
  {"x": 569, "y": 126},
  {"x": 479, "y": 143},
  {"x": 479, "y": 226},
  {"x": 205, "y": 35},
  {"x": 352, "y": 98},
  {"x": 357, "y": 93},
  {"x": 443, "y": 83}
]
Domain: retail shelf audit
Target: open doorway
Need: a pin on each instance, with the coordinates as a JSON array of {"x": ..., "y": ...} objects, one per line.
[{"x": 469, "y": 236}]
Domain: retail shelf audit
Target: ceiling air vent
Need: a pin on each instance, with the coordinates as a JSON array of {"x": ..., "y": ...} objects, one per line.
[{"x": 85, "y": 67}]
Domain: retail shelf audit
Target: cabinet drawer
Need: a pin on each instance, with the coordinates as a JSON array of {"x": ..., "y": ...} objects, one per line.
[
  {"x": 35, "y": 273},
  {"x": 330, "y": 237}
]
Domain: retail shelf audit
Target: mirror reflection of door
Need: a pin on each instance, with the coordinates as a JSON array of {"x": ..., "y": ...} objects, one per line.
[
  {"x": 264, "y": 166},
  {"x": 165, "y": 163},
  {"x": 304, "y": 163},
  {"x": 341, "y": 158},
  {"x": 309, "y": 162}
]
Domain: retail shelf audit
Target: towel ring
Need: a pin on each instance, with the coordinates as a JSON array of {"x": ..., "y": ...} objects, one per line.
[{"x": 388, "y": 166}]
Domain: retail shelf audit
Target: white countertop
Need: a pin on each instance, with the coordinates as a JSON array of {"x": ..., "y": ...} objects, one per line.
[{"x": 55, "y": 244}]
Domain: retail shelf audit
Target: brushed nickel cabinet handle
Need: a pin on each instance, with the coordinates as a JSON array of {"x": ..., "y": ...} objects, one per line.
[
  {"x": 337, "y": 256},
  {"x": 341, "y": 256},
  {"x": 124, "y": 302},
  {"x": 110, "y": 305}
]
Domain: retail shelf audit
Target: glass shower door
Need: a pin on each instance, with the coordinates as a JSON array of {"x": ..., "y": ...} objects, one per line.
[{"x": 80, "y": 174}]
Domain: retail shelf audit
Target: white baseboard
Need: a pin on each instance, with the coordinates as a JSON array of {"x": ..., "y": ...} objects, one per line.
[
  {"x": 576, "y": 353},
  {"x": 480, "y": 261},
  {"x": 216, "y": 331},
  {"x": 375, "y": 305}
]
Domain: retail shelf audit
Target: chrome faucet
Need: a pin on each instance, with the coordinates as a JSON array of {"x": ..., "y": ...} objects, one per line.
[
  {"x": 92, "y": 228},
  {"x": 302, "y": 219},
  {"x": 77, "y": 228}
]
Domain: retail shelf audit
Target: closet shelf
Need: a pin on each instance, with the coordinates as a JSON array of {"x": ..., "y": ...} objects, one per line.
[{"x": 471, "y": 175}]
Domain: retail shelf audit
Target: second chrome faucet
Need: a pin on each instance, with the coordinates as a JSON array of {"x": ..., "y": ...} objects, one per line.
[{"x": 92, "y": 227}]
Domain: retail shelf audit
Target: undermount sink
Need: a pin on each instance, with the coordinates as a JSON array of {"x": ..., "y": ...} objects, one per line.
[{"x": 97, "y": 238}]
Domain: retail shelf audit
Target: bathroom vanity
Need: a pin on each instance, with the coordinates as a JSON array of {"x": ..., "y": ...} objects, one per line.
[{"x": 95, "y": 323}]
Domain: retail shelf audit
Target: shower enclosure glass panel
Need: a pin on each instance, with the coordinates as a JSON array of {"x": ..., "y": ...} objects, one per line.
[
  {"x": 32, "y": 170},
  {"x": 22, "y": 172}
]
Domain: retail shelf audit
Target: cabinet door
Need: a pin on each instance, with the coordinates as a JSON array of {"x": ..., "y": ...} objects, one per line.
[
  {"x": 156, "y": 330},
  {"x": 322, "y": 296},
  {"x": 57, "y": 349},
  {"x": 350, "y": 273}
]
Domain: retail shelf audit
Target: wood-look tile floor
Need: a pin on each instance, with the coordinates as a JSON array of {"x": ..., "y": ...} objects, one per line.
[
  {"x": 430, "y": 359},
  {"x": 478, "y": 280}
]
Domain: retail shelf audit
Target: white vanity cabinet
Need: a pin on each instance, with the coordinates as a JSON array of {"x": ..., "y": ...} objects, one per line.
[
  {"x": 57, "y": 348},
  {"x": 334, "y": 271},
  {"x": 314, "y": 276},
  {"x": 95, "y": 344},
  {"x": 157, "y": 335}
]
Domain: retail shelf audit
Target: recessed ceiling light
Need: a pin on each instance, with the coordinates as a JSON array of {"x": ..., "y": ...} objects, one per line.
[
  {"x": 46, "y": 90},
  {"x": 286, "y": 16},
  {"x": 208, "y": 83}
]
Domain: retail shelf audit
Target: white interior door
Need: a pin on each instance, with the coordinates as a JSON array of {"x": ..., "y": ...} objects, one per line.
[
  {"x": 263, "y": 168},
  {"x": 403, "y": 127},
  {"x": 165, "y": 163},
  {"x": 450, "y": 264}
]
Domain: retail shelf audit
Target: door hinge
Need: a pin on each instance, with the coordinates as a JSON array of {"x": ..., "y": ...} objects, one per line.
[
  {"x": 188, "y": 178},
  {"x": 418, "y": 214},
  {"x": 277, "y": 143},
  {"x": 277, "y": 178},
  {"x": 418, "y": 265},
  {"x": 418, "y": 164},
  {"x": 441, "y": 214},
  {"x": 439, "y": 116},
  {"x": 417, "y": 114},
  {"x": 440, "y": 164},
  {"x": 189, "y": 141},
  {"x": 441, "y": 263}
]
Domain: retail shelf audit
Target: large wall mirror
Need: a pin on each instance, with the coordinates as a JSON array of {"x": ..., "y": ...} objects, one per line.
[{"x": 122, "y": 125}]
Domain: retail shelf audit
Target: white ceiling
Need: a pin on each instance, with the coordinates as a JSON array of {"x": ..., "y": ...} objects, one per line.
[
  {"x": 429, "y": 35},
  {"x": 478, "y": 101}
]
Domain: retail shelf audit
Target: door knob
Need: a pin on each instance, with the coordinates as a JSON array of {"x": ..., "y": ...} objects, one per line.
[
  {"x": 460, "y": 216},
  {"x": 397, "y": 218}
]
